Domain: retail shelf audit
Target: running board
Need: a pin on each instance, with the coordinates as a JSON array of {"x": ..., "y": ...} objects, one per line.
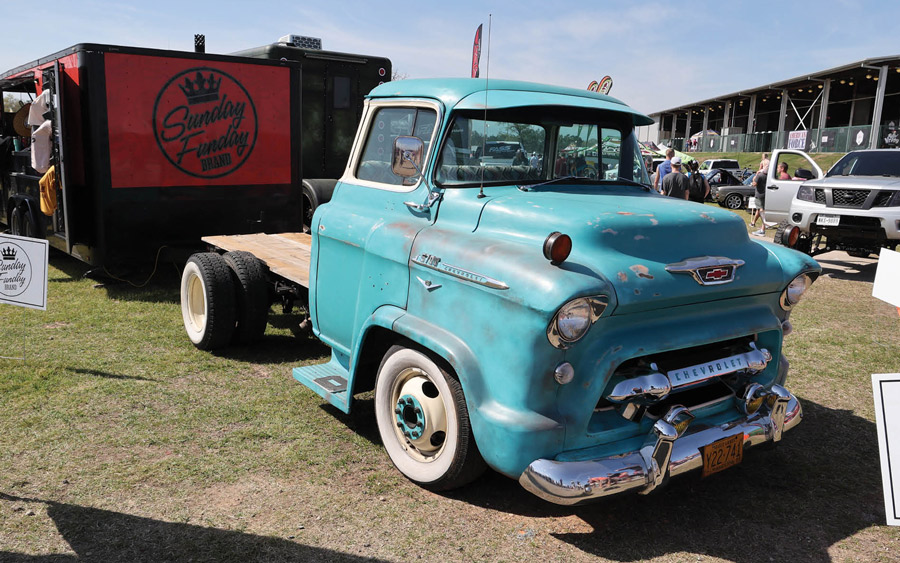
[{"x": 328, "y": 380}]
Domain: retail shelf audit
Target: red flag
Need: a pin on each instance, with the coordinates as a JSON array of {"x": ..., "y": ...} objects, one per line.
[{"x": 476, "y": 52}]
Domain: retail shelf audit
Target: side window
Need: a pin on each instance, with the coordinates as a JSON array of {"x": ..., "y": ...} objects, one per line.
[{"x": 387, "y": 125}]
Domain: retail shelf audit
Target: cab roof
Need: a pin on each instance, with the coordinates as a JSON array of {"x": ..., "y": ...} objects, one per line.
[{"x": 478, "y": 93}]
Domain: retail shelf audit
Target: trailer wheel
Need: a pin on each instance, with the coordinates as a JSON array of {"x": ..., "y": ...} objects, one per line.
[
  {"x": 15, "y": 221},
  {"x": 207, "y": 301},
  {"x": 252, "y": 292},
  {"x": 423, "y": 421},
  {"x": 29, "y": 223}
]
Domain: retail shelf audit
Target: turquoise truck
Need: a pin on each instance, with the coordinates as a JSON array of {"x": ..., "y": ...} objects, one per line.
[{"x": 577, "y": 332}]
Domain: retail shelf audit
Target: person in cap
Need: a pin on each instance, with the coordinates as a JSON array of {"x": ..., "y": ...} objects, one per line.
[{"x": 675, "y": 183}]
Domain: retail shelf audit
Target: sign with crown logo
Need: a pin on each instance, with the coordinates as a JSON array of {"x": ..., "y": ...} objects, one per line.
[
  {"x": 23, "y": 271},
  {"x": 205, "y": 122}
]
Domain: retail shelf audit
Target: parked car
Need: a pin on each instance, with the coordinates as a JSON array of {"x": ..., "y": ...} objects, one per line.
[
  {"x": 728, "y": 164},
  {"x": 855, "y": 207},
  {"x": 727, "y": 190}
]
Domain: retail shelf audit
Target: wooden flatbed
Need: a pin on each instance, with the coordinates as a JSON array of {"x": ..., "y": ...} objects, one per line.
[{"x": 285, "y": 254}]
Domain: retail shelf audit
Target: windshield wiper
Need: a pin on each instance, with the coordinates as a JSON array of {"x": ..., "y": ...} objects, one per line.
[
  {"x": 529, "y": 187},
  {"x": 628, "y": 182}
]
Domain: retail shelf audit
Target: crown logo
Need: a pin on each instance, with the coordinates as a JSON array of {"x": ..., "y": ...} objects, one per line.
[
  {"x": 201, "y": 89},
  {"x": 9, "y": 253}
]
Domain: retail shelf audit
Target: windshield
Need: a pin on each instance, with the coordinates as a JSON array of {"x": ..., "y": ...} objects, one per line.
[
  {"x": 874, "y": 163},
  {"x": 487, "y": 151}
]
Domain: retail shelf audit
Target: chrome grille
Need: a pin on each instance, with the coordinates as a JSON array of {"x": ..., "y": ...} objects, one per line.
[{"x": 849, "y": 198}]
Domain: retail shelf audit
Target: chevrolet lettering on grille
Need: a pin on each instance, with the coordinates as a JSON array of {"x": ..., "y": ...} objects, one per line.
[
  {"x": 754, "y": 360},
  {"x": 707, "y": 270}
]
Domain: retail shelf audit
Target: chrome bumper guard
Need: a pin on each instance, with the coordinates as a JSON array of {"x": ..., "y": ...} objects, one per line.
[{"x": 674, "y": 447}]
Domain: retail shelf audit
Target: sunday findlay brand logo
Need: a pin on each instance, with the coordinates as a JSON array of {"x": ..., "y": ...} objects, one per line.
[
  {"x": 15, "y": 270},
  {"x": 205, "y": 122}
]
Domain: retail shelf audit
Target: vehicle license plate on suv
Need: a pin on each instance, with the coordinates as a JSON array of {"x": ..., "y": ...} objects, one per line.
[
  {"x": 828, "y": 220},
  {"x": 723, "y": 454}
]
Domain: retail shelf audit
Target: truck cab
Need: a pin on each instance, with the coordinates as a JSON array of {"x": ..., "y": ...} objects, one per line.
[{"x": 572, "y": 330}]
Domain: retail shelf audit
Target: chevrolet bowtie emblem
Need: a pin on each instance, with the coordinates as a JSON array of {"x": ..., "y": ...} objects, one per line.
[{"x": 707, "y": 270}]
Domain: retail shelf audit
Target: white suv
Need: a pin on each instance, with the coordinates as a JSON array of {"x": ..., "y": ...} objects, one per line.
[{"x": 855, "y": 207}]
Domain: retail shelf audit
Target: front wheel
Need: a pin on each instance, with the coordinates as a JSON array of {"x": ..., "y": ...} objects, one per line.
[
  {"x": 423, "y": 421},
  {"x": 734, "y": 201}
]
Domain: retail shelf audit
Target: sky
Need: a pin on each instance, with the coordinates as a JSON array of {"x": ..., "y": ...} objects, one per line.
[{"x": 659, "y": 54}]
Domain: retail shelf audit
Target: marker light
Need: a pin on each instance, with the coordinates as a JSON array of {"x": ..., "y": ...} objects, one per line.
[{"x": 557, "y": 247}]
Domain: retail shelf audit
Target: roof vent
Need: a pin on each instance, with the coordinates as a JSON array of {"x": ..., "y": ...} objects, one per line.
[{"x": 313, "y": 43}]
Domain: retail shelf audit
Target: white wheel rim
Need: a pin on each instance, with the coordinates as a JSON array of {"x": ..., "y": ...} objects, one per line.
[
  {"x": 193, "y": 303},
  {"x": 420, "y": 415}
]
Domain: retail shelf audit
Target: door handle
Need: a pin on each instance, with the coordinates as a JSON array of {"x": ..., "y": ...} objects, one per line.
[{"x": 773, "y": 187}]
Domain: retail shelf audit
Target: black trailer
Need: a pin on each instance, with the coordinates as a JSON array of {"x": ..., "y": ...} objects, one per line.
[{"x": 154, "y": 149}]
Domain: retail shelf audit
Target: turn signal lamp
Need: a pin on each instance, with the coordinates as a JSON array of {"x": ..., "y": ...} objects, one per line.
[
  {"x": 557, "y": 247},
  {"x": 753, "y": 398}
]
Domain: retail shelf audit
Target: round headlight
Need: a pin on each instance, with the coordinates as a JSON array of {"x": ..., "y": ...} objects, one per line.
[
  {"x": 573, "y": 319},
  {"x": 796, "y": 289}
]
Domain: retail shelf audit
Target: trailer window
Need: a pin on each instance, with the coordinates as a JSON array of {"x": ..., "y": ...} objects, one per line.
[{"x": 388, "y": 124}]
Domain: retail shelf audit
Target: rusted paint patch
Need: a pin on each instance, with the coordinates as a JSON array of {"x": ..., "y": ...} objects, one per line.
[
  {"x": 707, "y": 216},
  {"x": 641, "y": 271},
  {"x": 625, "y": 213},
  {"x": 637, "y": 291},
  {"x": 610, "y": 232},
  {"x": 639, "y": 237},
  {"x": 654, "y": 222},
  {"x": 623, "y": 277}
]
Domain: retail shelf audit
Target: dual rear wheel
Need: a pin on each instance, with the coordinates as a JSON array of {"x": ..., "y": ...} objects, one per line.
[{"x": 224, "y": 299}]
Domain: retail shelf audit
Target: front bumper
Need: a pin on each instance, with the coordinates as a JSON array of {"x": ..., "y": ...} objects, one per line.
[{"x": 665, "y": 453}]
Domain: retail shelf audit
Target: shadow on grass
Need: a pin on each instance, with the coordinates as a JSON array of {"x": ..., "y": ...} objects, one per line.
[
  {"x": 277, "y": 349},
  {"x": 102, "y": 535},
  {"x": 820, "y": 486},
  {"x": 107, "y": 375},
  {"x": 840, "y": 266}
]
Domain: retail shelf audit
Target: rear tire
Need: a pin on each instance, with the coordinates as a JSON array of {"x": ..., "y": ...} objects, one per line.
[
  {"x": 208, "y": 301},
  {"x": 252, "y": 295}
]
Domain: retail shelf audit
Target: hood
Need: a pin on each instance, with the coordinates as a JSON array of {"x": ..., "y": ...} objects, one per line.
[
  {"x": 628, "y": 237},
  {"x": 859, "y": 182}
]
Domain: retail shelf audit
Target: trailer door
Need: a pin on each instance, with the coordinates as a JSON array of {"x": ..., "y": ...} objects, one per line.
[{"x": 60, "y": 217}]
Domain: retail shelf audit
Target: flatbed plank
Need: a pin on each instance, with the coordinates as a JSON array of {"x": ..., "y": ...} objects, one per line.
[{"x": 285, "y": 254}]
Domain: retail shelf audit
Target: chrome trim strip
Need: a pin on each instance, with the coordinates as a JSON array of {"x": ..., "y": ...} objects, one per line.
[
  {"x": 754, "y": 360},
  {"x": 434, "y": 263},
  {"x": 579, "y": 482}
]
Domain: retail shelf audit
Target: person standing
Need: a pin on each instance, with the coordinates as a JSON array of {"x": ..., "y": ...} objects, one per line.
[
  {"x": 663, "y": 169},
  {"x": 675, "y": 184},
  {"x": 699, "y": 189},
  {"x": 759, "y": 184}
]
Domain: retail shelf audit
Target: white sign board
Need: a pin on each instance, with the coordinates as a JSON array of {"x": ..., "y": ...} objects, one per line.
[
  {"x": 887, "y": 277},
  {"x": 886, "y": 389},
  {"x": 797, "y": 140},
  {"x": 23, "y": 271}
]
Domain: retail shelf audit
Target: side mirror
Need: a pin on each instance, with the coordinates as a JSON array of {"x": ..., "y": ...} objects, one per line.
[
  {"x": 406, "y": 157},
  {"x": 804, "y": 174}
]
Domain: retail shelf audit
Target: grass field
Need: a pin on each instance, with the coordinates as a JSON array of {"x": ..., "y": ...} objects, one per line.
[{"x": 120, "y": 442}]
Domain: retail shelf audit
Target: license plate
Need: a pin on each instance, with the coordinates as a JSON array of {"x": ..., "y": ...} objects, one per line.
[
  {"x": 828, "y": 220},
  {"x": 723, "y": 454}
]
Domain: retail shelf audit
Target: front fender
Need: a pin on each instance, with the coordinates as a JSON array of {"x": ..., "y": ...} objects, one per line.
[{"x": 508, "y": 438}]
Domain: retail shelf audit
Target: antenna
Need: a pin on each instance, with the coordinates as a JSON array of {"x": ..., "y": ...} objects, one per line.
[{"x": 487, "y": 77}]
